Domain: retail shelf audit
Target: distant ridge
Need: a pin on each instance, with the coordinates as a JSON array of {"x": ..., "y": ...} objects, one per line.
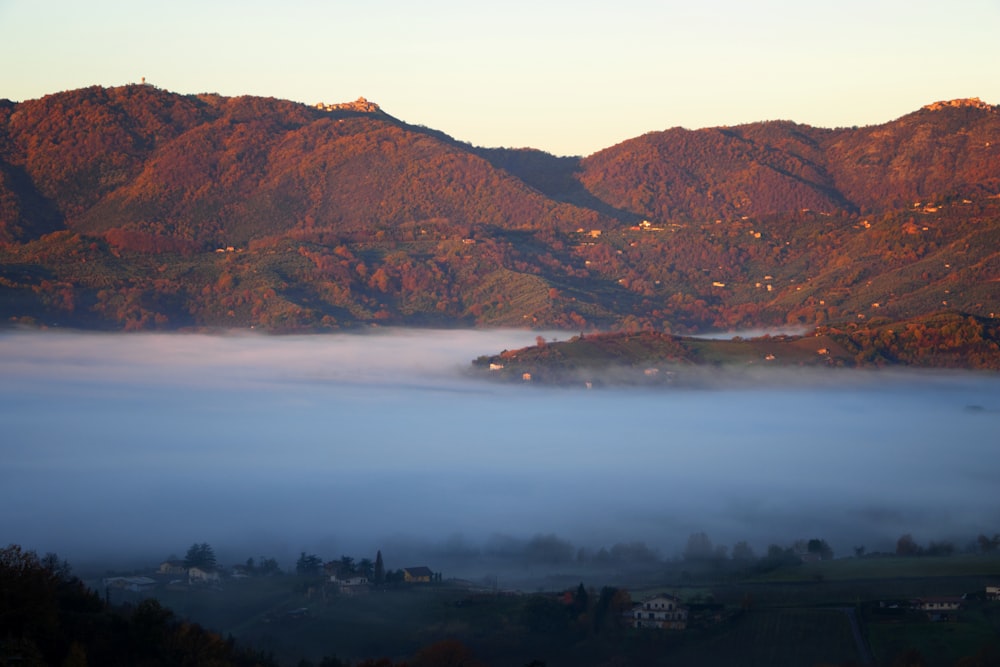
[{"x": 137, "y": 208}]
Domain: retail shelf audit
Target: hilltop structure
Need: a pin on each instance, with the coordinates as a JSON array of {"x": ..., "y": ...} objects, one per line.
[
  {"x": 360, "y": 105},
  {"x": 963, "y": 103}
]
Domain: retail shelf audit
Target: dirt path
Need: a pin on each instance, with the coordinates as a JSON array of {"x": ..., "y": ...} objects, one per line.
[{"x": 864, "y": 654}]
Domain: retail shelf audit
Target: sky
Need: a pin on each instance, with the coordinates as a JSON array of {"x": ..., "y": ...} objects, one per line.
[{"x": 569, "y": 78}]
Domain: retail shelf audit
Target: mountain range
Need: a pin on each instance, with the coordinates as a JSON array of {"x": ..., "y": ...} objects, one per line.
[{"x": 137, "y": 208}]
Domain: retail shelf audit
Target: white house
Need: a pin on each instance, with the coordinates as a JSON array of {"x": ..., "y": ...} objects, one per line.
[
  {"x": 200, "y": 576},
  {"x": 663, "y": 611},
  {"x": 940, "y": 608},
  {"x": 350, "y": 584},
  {"x": 172, "y": 567},
  {"x": 993, "y": 593}
]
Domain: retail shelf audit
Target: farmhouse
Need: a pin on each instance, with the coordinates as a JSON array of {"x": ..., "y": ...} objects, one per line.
[
  {"x": 417, "y": 574},
  {"x": 350, "y": 585},
  {"x": 172, "y": 567},
  {"x": 940, "y": 608},
  {"x": 198, "y": 575},
  {"x": 663, "y": 611}
]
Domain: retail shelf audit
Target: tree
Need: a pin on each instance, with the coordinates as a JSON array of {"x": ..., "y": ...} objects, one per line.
[
  {"x": 611, "y": 604},
  {"x": 268, "y": 566},
  {"x": 445, "y": 653},
  {"x": 742, "y": 551},
  {"x": 940, "y": 548},
  {"x": 379, "y": 568},
  {"x": 907, "y": 546},
  {"x": 818, "y": 546},
  {"x": 580, "y": 599},
  {"x": 201, "y": 556},
  {"x": 308, "y": 565},
  {"x": 366, "y": 568},
  {"x": 699, "y": 547}
]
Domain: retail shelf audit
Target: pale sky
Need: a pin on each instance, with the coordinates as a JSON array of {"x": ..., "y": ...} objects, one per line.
[{"x": 570, "y": 78}]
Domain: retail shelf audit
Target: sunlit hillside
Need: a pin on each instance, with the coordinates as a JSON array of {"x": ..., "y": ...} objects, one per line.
[{"x": 137, "y": 208}]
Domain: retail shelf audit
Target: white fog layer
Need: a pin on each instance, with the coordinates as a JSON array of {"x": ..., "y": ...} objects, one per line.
[{"x": 136, "y": 446}]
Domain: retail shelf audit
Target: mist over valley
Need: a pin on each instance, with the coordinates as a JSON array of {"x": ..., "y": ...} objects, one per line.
[{"x": 125, "y": 449}]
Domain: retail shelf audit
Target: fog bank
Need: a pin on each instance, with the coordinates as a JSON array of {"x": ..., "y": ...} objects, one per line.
[{"x": 135, "y": 446}]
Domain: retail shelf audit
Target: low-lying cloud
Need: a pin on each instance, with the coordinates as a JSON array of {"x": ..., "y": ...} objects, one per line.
[{"x": 133, "y": 447}]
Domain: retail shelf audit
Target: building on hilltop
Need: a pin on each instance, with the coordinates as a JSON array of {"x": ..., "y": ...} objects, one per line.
[{"x": 360, "y": 105}]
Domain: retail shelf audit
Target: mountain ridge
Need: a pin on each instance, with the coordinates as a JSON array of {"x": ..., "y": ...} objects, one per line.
[{"x": 340, "y": 215}]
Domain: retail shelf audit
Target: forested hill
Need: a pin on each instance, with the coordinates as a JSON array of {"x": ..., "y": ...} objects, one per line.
[
  {"x": 944, "y": 340},
  {"x": 137, "y": 208}
]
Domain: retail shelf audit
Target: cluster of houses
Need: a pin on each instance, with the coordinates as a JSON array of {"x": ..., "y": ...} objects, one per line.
[
  {"x": 943, "y": 607},
  {"x": 170, "y": 572},
  {"x": 176, "y": 573},
  {"x": 667, "y": 612}
]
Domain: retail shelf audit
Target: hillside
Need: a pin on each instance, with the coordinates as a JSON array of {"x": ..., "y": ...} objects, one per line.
[
  {"x": 137, "y": 208},
  {"x": 943, "y": 340}
]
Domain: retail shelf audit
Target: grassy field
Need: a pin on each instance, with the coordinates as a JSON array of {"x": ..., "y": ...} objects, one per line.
[
  {"x": 793, "y": 616},
  {"x": 888, "y": 567},
  {"x": 939, "y": 643}
]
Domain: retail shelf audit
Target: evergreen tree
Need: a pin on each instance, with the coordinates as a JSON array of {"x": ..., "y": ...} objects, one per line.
[
  {"x": 309, "y": 564},
  {"x": 379, "y": 568},
  {"x": 201, "y": 556}
]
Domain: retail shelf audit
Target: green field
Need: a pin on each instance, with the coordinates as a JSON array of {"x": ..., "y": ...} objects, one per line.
[{"x": 793, "y": 616}]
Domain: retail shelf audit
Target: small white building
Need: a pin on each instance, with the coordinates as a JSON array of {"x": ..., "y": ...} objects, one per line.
[
  {"x": 940, "y": 608},
  {"x": 663, "y": 611},
  {"x": 200, "y": 576},
  {"x": 350, "y": 584},
  {"x": 172, "y": 567},
  {"x": 993, "y": 593}
]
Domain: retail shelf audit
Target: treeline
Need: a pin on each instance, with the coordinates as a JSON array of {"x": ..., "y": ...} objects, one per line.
[
  {"x": 49, "y": 617},
  {"x": 946, "y": 340},
  {"x": 906, "y": 545}
]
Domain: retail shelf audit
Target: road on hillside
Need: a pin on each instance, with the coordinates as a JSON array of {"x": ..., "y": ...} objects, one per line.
[{"x": 864, "y": 655}]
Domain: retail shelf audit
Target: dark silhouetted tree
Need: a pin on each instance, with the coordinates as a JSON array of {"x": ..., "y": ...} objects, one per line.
[
  {"x": 907, "y": 546},
  {"x": 308, "y": 564},
  {"x": 200, "y": 556},
  {"x": 699, "y": 547},
  {"x": 742, "y": 551},
  {"x": 379, "y": 568},
  {"x": 988, "y": 545},
  {"x": 818, "y": 546}
]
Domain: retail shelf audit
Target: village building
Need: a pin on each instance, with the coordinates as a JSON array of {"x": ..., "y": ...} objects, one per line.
[
  {"x": 349, "y": 584},
  {"x": 418, "y": 575},
  {"x": 663, "y": 611},
  {"x": 172, "y": 567},
  {"x": 940, "y": 608},
  {"x": 197, "y": 575}
]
